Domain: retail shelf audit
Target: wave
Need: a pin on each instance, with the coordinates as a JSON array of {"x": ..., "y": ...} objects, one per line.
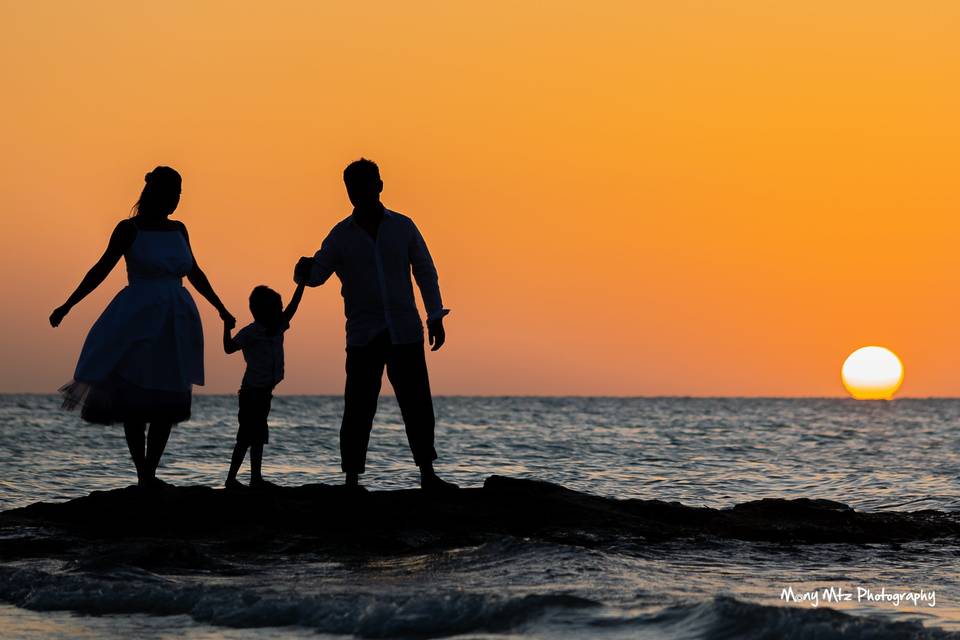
[
  {"x": 363, "y": 615},
  {"x": 114, "y": 552},
  {"x": 431, "y": 615},
  {"x": 726, "y": 618}
]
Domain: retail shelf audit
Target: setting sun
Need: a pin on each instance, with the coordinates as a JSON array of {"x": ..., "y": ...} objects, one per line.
[{"x": 872, "y": 373}]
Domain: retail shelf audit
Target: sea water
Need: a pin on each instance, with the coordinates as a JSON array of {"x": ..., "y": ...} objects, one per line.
[{"x": 902, "y": 455}]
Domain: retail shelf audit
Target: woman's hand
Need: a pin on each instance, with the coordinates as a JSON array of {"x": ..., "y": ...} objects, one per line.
[
  {"x": 228, "y": 318},
  {"x": 58, "y": 314}
]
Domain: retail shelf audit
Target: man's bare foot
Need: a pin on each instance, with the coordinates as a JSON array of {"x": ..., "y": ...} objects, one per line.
[
  {"x": 260, "y": 483},
  {"x": 233, "y": 484},
  {"x": 430, "y": 481}
]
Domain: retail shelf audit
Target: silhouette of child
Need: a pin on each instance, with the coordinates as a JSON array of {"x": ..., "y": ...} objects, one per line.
[{"x": 262, "y": 344}]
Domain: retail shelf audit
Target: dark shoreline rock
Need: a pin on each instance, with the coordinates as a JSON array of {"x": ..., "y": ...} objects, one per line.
[{"x": 317, "y": 517}]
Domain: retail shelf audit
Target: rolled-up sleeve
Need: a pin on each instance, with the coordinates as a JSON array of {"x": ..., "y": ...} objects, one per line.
[
  {"x": 425, "y": 273},
  {"x": 324, "y": 262}
]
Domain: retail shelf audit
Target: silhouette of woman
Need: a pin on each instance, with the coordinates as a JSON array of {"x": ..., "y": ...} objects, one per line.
[{"x": 144, "y": 353}]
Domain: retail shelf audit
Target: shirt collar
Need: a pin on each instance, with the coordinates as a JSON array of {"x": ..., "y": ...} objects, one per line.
[{"x": 386, "y": 214}]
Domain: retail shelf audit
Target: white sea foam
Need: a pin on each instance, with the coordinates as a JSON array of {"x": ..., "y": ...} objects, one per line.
[
  {"x": 357, "y": 614},
  {"x": 418, "y": 616}
]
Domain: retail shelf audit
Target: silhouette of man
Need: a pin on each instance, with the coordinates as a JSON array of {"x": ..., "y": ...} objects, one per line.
[{"x": 373, "y": 251}]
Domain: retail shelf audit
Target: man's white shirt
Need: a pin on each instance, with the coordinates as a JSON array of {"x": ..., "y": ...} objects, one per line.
[{"x": 375, "y": 278}]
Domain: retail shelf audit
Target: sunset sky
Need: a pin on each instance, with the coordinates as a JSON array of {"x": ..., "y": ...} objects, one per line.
[{"x": 622, "y": 198}]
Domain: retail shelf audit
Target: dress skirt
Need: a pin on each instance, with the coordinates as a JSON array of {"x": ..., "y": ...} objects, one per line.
[{"x": 141, "y": 358}]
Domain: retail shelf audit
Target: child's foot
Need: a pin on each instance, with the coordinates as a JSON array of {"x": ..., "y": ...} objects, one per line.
[
  {"x": 262, "y": 484},
  {"x": 233, "y": 484},
  {"x": 352, "y": 483}
]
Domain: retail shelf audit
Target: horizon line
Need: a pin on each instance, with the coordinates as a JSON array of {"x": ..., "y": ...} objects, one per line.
[{"x": 560, "y": 395}]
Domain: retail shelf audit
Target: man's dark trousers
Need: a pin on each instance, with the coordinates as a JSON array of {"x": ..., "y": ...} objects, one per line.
[{"x": 407, "y": 370}]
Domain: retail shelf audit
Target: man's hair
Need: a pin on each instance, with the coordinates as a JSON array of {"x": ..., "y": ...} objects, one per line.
[{"x": 360, "y": 173}]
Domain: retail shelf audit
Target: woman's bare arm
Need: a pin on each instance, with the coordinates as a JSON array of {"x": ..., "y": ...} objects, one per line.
[
  {"x": 200, "y": 282},
  {"x": 120, "y": 240}
]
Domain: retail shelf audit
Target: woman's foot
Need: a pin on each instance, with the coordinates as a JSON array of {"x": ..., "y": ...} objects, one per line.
[
  {"x": 146, "y": 480},
  {"x": 157, "y": 483},
  {"x": 233, "y": 484},
  {"x": 260, "y": 483},
  {"x": 153, "y": 483}
]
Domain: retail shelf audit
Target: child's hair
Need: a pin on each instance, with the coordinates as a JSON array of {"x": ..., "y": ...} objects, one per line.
[{"x": 266, "y": 305}]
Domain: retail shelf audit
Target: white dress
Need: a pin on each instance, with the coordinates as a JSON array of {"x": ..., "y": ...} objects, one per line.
[{"x": 144, "y": 353}]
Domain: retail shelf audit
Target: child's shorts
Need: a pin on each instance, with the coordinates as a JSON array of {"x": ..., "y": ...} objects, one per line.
[{"x": 254, "y": 409}]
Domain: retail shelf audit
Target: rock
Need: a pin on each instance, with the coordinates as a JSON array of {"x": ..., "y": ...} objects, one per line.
[{"x": 314, "y": 517}]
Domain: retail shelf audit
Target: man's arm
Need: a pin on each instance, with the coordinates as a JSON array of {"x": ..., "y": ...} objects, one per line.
[
  {"x": 425, "y": 273},
  {"x": 314, "y": 271},
  {"x": 291, "y": 309}
]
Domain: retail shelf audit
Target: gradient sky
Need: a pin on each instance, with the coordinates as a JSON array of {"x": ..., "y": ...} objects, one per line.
[{"x": 684, "y": 197}]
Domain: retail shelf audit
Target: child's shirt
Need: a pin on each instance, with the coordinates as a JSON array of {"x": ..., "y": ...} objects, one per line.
[{"x": 263, "y": 354}]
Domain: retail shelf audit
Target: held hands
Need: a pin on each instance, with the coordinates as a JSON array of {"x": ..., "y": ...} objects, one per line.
[
  {"x": 302, "y": 271},
  {"x": 437, "y": 335},
  {"x": 58, "y": 315},
  {"x": 229, "y": 322}
]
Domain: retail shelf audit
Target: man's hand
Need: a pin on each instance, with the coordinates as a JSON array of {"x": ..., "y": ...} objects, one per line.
[
  {"x": 436, "y": 333},
  {"x": 302, "y": 271},
  {"x": 58, "y": 314}
]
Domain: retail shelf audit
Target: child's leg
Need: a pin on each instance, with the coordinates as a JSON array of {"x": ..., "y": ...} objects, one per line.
[
  {"x": 262, "y": 437},
  {"x": 239, "y": 451},
  {"x": 256, "y": 461}
]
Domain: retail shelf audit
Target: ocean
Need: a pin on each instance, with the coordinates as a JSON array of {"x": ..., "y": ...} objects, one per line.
[{"x": 873, "y": 456}]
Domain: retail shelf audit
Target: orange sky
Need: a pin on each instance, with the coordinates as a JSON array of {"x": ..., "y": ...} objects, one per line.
[{"x": 685, "y": 198}]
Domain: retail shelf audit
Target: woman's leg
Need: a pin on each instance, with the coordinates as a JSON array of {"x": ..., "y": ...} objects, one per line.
[
  {"x": 156, "y": 443},
  {"x": 135, "y": 442}
]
